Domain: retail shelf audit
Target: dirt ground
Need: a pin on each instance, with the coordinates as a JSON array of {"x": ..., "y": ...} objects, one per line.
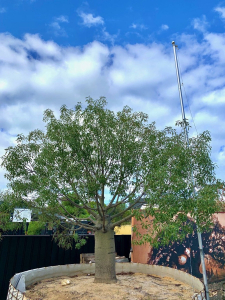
[
  {"x": 128, "y": 287},
  {"x": 217, "y": 290}
]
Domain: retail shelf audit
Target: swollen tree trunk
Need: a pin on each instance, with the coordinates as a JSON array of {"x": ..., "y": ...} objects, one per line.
[{"x": 105, "y": 271}]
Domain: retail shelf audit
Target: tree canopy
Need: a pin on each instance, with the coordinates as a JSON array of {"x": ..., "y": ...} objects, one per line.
[{"x": 99, "y": 160}]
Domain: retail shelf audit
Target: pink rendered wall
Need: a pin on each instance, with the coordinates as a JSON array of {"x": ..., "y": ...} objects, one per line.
[
  {"x": 140, "y": 252},
  {"x": 221, "y": 218},
  {"x": 182, "y": 254}
]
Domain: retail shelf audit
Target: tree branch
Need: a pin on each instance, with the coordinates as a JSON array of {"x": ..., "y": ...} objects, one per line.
[
  {"x": 113, "y": 198},
  {"x": 114, "y": 208},
  {"x": 97, "y": 203},
  {"x": 78, "y": 206},
  {"x": 121, "y": 221},
  {"x": 89, "y": 209},
  {"x": 129, "y": 207},
  {"x": 124, "y": 200},
  {"x": 77, "y": 220}
]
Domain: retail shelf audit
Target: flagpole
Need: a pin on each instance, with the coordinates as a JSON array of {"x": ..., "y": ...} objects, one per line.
[{"x": 187, "y": 142}]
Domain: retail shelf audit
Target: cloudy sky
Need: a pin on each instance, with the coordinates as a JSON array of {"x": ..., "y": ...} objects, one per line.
[{"x": 55, "y": 52}]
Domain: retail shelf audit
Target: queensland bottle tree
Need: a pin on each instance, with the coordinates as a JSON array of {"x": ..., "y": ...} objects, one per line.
[{"x": 103, "y": 163}]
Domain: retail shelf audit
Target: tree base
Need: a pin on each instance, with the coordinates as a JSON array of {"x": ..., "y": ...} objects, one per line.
[
  {"x": 105, "y": 280},
  {"x": 105, "y": 271}
]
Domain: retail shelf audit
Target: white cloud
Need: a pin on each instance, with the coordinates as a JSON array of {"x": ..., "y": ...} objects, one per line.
[
  {"x": 106, "y": 36},
  {"x": 37, "y": 74},
  {"x": 134, "y": 26},
  {"x": 56, "y": 26},
  {"x": 221, "y": 11},
  {"x": 89, "y": 20},
  {"x": 2, "y": 10},
  {"x": 62, "y": 19},
  {"x": 164, "y": 27},
  {"x": 200, "y": 24},
  {"x": 138, "y": 26}
]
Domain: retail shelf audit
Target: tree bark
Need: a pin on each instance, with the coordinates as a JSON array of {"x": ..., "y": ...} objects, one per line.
[{"x": 105, "y": 271}]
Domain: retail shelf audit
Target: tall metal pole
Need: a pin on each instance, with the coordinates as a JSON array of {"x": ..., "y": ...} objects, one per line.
[{"x": 187, "y": 142}]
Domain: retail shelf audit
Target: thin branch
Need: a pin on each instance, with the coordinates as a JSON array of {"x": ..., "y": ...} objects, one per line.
[
  {"x": 121, "y": 221},
  {"x": 77, "y": 221},
  {"x": 86, "y": 168},
  {"x": 124, "y": 200},
  {"x": 85, "y": 226},
  {"x": 53, "y": 219},
  {"x": 89, "y": 209},
  {"x": 80, "y": 207},
  {"x": 109, "y": 168},
  {"x": 99, "y": 211},
  {"x": 134, "y": 190},
  {"x": 92, "y": 220},
  {"x": 84, "y": 165},
  {"x": 72, "y": 202},
  {"x": 102, "y": 197},
  {"x": 129, "y": 207},
  {"x": 114, "y": 208},
  {"x": 113, "y": 198}
]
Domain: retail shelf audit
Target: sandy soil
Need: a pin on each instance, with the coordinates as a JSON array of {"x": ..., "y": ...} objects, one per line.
[
  {"x": 128, "y": 287},
  {"x": 217, "y": 290}
]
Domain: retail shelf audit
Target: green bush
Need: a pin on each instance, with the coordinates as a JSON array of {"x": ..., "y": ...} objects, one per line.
[{"x": 35, "y": 227}]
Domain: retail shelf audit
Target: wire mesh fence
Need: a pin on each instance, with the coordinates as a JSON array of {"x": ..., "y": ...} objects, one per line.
[
  {"x": 14, "y": 294},
  {"x": 199, "y": 296}
]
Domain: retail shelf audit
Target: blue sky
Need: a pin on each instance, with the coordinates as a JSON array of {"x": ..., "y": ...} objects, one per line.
[
  {"x": 58, "y": 52},
  {"x": 76, "y": 23}
]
